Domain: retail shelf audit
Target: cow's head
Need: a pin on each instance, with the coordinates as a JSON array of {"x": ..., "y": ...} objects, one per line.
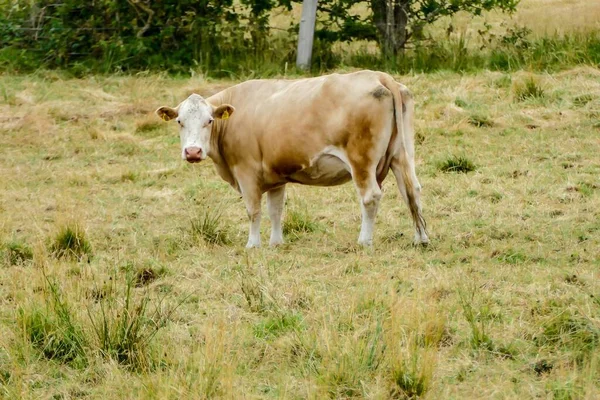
[{"x": 195, "y": 117}]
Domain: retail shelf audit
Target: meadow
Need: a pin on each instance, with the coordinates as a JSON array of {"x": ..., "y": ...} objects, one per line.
[{"x": 123, "y": 271}]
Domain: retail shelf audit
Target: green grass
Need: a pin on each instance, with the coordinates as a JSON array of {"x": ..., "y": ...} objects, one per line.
[
  {"x": 207, "y": 227},
  {"x": 70, "y": 242},
  {"x": 530, "y": 88},
  {"x": 278, "y": 325},
  {"x": 458, "y": 164},
  {"x": 53, "y": 331},
  {"x": 146, "y": 304},
  {"x": 297, "y": 222},
  {"x": 17, "y": 253}
]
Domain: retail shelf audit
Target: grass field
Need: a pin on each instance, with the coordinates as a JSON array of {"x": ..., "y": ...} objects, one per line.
[{"x": 123, "y": 272}]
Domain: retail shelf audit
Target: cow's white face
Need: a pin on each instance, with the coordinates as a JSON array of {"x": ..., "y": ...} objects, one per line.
[{"x": 195, "y": 117}]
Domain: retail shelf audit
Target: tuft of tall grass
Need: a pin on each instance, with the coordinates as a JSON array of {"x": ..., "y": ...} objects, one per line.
[
  {"x": 148, "y": 127},
  {"x": 530, "y": 88},
  {"x": 412, "y": 336},
  {"x": 412, "y": 373},
  {"x": 71, "y": 243},
  {"x": 124, "y": 327},
  {"x": 207, "y": 227},
  {"x": 17, "y": 253},
  {"x": 54, "y": 329},
  {"x": 455, "y": 163},
  {"x": 277, "y": 325},
  {"x": 479, "y": 336},
  {"x": 570, "y": 331},
  {"x": 480, "y": 121},
  {"x": 297, "y": 222}
]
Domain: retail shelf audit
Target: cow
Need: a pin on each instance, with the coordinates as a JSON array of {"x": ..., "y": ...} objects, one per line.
[{"x": 322, "y": 131}]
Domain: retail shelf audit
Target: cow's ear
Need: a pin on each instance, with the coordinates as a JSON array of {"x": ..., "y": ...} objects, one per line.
[
  {"x": 224, "y": 111},
  {"x": 167, "y": 113}
]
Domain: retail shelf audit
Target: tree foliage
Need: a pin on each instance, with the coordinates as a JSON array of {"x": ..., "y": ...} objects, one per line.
[
  {"x": 135, "y": 34},
  {"x": 209, "y": 34},
  {"x": 394, "y": 23}
]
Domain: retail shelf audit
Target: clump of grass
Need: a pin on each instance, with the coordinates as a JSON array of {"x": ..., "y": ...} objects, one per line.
[
  {"x": 207, "y": 226},
  {"x": 462, "y": 103},
  {"x": 479, "y": 338},
  {"x": 459, "y": 164},
  {"x": 570, "y": 331},
  {"x": 582, "y": 100},
  {"x": 129, "y": 176},
  {"x": 145, "y": 276},
  {"x": 17, "y": 253},
  {"x": 511, "y": 256},
  {"x": 54, "y": 331},
  {"x": 277, "y": 325},
  {"x": 503, "y": 82},
  {"x": 412, "y": 372},
  {"x": 124, "y": 327},
  {"x": 253, "y": 290},
  {"x": 480, "y": 121},
  {"x": 71, "y": 243},
  {"x": 148, "y": 126},
  {"x": 298, "y": 221},
  {"x": 530, "y": 88}
]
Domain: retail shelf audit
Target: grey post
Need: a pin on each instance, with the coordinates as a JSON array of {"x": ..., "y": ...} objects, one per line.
[{"x": 307, "y": 33}]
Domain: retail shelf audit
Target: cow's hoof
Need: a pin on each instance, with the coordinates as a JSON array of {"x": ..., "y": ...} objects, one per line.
[
  {"x": 365, "y": 243},
  {"x": 274, "y": 243},
  {"x": 421, "y": 240},
  {"x": 251, "y": 245}
]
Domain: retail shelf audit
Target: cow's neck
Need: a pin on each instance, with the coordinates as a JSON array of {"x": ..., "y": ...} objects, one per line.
[{"x": 217, "y": 134}]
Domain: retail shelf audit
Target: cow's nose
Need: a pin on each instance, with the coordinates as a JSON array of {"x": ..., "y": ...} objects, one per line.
[{"x": 193, "y": 154}]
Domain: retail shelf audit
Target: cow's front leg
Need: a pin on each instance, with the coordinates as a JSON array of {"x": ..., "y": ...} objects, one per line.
[
  {"x": 369, "y": 194},
  {"x": 252, "y": 198},
  {"x": 275, "y": 198}
]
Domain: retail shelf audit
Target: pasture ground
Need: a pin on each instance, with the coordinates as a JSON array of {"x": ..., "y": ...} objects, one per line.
[{"x": 503, "y": 304}]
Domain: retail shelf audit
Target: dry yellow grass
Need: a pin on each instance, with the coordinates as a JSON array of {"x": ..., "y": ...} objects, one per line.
[{"x": 500, "y": 306}]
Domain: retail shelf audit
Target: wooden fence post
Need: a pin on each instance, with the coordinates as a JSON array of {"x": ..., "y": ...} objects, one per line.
[{"x": 306, "y": 34}]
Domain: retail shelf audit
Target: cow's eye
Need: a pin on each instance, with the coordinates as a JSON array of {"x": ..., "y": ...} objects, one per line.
[{"x": 210, "y": 121}]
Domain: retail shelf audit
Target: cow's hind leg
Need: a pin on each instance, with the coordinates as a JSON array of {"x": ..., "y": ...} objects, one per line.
[
  {"x": 410, "y": 189},
  {"x": 275, "y": 198},
  {"x": 369, "y": 193}
]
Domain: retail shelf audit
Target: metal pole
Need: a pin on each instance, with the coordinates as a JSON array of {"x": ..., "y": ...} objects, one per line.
[{"x": 306, "y": 34}]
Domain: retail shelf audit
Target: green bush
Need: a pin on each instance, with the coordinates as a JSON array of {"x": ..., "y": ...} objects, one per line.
[{"x": 224, "y": 38}]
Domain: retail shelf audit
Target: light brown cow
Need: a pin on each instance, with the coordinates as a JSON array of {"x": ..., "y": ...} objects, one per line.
[{"x": 321, "y": 131}]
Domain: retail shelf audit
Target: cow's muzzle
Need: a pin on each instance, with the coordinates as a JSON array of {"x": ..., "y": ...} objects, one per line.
[{"x": 193, "y": 154}]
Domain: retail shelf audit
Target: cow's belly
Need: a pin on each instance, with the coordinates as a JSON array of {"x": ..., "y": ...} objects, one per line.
[{"x": 325, "y": 170}]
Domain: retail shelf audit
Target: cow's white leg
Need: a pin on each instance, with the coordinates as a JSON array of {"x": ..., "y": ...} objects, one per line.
[
  {"x": 414, "y": 202},
  {"x": 275, "y": 198},
  {"x": 252, "y": 198},
  {"x": 370, "y": 195}
]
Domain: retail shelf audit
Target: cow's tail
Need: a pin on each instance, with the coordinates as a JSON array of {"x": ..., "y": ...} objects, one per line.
[{"x": 403, "y": 116}]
